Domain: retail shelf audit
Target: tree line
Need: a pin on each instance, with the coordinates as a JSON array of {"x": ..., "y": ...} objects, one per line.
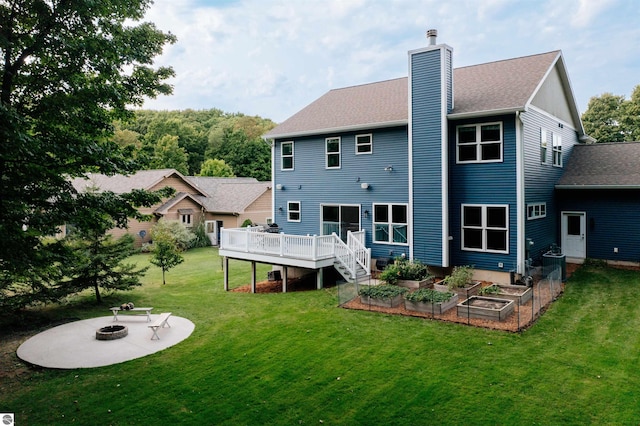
[
  {"x": 198, "y": 142},
  {"x": 612, "y": 118}
]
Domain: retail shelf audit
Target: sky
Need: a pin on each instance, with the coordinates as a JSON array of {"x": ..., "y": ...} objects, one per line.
[{"x": 272, "y": 58}]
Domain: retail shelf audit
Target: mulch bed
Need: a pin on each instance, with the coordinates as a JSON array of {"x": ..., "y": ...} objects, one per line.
[
  {"x": 522, "y": 317},
  {"x": 294, "y": 284}
]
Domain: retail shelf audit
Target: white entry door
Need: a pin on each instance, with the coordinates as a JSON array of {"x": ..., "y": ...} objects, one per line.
[{"x": 574, "y": 238}]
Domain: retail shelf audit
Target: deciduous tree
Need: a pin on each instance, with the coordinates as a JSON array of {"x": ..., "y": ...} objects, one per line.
[{"x": 69, "y": 70}]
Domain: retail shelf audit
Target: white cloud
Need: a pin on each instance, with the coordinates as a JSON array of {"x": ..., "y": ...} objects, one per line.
[{"x": 273, "y": 57}]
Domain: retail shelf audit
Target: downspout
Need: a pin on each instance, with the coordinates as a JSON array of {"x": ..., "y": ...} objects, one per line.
[{"x": 520, "y": 196}]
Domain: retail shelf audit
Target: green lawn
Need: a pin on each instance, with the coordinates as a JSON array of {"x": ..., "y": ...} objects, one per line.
[{"x": 296, "y": 358}]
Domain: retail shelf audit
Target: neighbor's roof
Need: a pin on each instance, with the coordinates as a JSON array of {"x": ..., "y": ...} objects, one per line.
[
  {"x": 602, "y": 166},
  {"x": 494, "y": 87},
  {"x": 120, "y": 184},
  {"x": 229, "y": 195}
]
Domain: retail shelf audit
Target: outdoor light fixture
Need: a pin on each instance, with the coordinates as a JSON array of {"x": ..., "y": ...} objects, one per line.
[
  {"x": 280, "y": 208},
  {"x": 280, "y": 187},
  {"x": 389, "y": 168},
  {"x": 364, "y": 185},
  {"x": 366, "y": 214}
]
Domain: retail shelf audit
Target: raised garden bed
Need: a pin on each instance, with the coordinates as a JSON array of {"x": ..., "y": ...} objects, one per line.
[
  {"x": 518, "y": 293},
  {"x": 414, "y": 284},
  {"x": 470, "y": 290},
  {"x": 430, "y": 301},
  {"x": 486, "y": 308},
  {"x": 386, "y": 296}
]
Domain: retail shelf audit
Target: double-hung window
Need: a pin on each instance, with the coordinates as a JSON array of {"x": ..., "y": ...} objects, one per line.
[
  {"x": 332, "y": 153},
  {"x": 478, "y": 143},
  {"x": 293, "y": 211},
  {"x": 390, "y": 223},
  {"x": 186, "y": 219},
  {"x": 364, "y": 144},
  {"x": 286, "y": 156},
  {"x": 557, "y": 150},
  {"x": 485, "y": 228},
  {"x": 544, "y": 147}
]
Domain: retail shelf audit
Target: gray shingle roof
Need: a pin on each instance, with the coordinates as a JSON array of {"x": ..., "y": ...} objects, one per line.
[
  {"x": 490, "y": 87},
  {"x": 120, "y": 184},
  {"x": 229, "y": 195},
  {"x": 602, "y": 166}
]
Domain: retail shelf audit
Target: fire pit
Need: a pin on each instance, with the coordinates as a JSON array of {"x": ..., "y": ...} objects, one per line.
[{"x": 112, "y": 332}]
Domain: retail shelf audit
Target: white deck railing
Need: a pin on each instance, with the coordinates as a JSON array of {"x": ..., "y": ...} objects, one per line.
[{"x": 249, "y": 240}]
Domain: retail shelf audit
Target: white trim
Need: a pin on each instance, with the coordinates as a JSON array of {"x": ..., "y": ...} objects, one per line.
[
  {"x": 557, "y": 136},
  {"x": 552, "y": 117},
  {"x": 444, "y": 145},
  {"x": 370, "y": 144},
  {"x": 486, "y": 113},
  {"x": 340, "y": 129},
  {"x": 410, "y": 153},
  {"x": 520, "y": 196},
  {"x": 478, "y": 143},
  {"x": 483, "y": 227},
  {"x": 289, "y": 211},
  {"x": 339, "y": 205},
  {"x": 327, "y": 153},
  {"x": 389, "y": 222},
  {"x": 282, "y": 157},
  {"x": 542, "y": 210}
]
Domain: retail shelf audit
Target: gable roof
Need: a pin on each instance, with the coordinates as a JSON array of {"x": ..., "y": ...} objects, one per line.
[
  {"x": 167, "y": 205},
  {"x": 229, "y": 195},
  {"x": 602, "y": 166},
  {"x": 120, "y": 184},
  {"x": 490, "y": 88}
]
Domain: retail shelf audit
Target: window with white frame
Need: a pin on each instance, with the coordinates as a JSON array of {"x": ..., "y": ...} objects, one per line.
[
  {"x": 485, "y": 228},
  {"x": 479, "y": 143},
  {"x": 544, "y": 146},
  {"x": 332, "y": 153},
  {"x": 364, "y": 144},
  {"x": 557, "y": 150},
  {"x": 286, "y": 156},
  {"x": 390, "y": 223},
  {"x": 186, "y": 219},
  {"x": 293, "y": 211},
  {"x": 536, "y": 210}
]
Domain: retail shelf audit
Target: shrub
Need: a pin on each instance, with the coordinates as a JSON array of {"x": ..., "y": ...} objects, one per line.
[
  {"x": 404, "y": 269},
  {"x": 492, "y": 289},
  {"x": 384, "y": 291},
  {"x": 429, "y": 295},
  {"x": 460, "y": 277}
]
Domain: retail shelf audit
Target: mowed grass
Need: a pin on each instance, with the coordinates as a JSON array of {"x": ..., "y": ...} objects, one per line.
[{"x": 296, "y": 358}]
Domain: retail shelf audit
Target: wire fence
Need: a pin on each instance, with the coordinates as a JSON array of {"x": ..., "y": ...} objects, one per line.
[{"x": 515, "y": 308}]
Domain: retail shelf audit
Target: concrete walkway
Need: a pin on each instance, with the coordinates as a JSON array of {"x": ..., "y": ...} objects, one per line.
[{"x": 74, "y": 345}]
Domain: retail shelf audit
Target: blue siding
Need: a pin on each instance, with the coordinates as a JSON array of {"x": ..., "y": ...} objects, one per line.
[
  {"x": 312, "y": 184},
  {"x": 426, "y": 121},
  {"x": 483, "y": 183},
  {"x": 612, "y": 221},
  {"x": 541, "y": 178}
]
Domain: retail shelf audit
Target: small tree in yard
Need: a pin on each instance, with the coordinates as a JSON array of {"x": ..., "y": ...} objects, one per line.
[
  {"x": 98, "y": 263},
  {"x": 170, "y": 239}
]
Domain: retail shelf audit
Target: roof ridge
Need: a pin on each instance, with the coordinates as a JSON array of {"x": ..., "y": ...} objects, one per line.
[
  {"x": 388, "y": 80},
  {"x": 508, "y": 59}
]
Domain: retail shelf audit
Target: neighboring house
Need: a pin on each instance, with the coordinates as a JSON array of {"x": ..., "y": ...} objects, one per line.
[
  {"x": 448, "y": 166},
  {"x": 598, "y": 198},
  {"x": 219, "y": 202}
]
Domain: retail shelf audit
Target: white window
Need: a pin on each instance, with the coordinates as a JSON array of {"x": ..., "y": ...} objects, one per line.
[
  {"x": 544, "y": 145},
  {"x": 557, "y": 150},
  {"x": 332, "y": 153},
  {"x": 479, "y": 143},
  {"x": 293, "y": 211},
  {"x": 485, "y": 228},
  {"x": 186, "y": 219},
  {"x": 364, "y": 144},
  {"x": 536, "y": 210},
  {"x": 390, "y": 223},
  {"x": 286, "y": 156}
]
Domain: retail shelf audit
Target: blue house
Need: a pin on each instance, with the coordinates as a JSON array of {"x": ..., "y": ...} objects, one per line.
[{"x": 448, "y": 166}]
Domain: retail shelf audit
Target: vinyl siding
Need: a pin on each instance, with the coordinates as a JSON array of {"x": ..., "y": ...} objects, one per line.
[
  {"x": 540, "y": 178},
  {"x": 612, "y": 221},
  {"x": 178, "y": 184},
  {"x": 426, "y": 85},
  {"x": 312, "y": 184},
  {"x": 484, "y": 183}
]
